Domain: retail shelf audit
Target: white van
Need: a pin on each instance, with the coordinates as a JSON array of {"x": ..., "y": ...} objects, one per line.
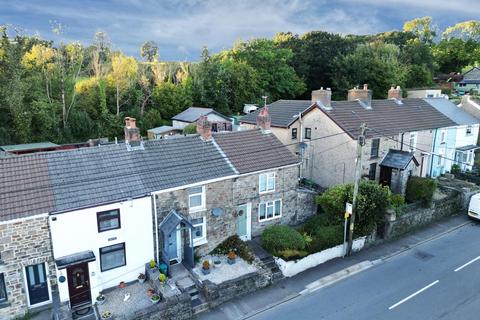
[{"x": 474, "y": 207}]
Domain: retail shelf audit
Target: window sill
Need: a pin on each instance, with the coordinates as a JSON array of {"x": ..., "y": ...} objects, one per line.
[
  {"x": 269, "y": 219},
  {"x": 4, "y": 304},
  {"x": 374, "y": 157},
  {"x": 200, "y": 242},
  {"x": 266, "y": 192},
  {"x": 194, "y": 210}
]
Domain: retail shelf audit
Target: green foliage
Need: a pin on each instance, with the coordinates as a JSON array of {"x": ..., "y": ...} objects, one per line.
[
  {"x": 282, "y": 237},
  {"x": 235, "y": 244},
  {"x": 420, "y": 189},
  {"x": 397, "y": 203},
  {"x": 292, "y": 254},
  {"x": 190, "y": 129},
  {"x": 325, "y": 237},
  {"x": 455, "y": 169}
]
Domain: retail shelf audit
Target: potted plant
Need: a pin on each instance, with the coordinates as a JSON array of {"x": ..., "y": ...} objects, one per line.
[
  {"x": 100, "y": 298},
  {"x": 163, "y": 278},
  {"x": 150, "y": 292},
  {"x": 217, "y": 262},
  {"x": 155, "y": 298},
  {"x": 231, "y": 257},
  {"x": 206, "y": 267},
  {"x": 122, "y": 284},
  {"x": 152, "y": 264},
  {"x": 106, "y": 315},
  {"x": 141, "y": 278}
]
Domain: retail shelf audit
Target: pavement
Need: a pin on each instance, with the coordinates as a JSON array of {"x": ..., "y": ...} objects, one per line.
[{"x": 366, "y": 284}]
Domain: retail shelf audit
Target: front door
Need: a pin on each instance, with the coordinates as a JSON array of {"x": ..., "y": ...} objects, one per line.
[
  {"x": 385, "y": 176},
  {"x": 79, "y": 284},
  {"x": 37, "y": 284},
  {"x": 173, "y": 246},
  {"x": 243, "y": 222}
]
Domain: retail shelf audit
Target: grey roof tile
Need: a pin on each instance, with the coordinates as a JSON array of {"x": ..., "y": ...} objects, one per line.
[
  {"x": 398, "y": 159},
  {"x": 452, "y": 111},
  {"x": 282, "y": 112},
  {"x": 193, "y": 113}
]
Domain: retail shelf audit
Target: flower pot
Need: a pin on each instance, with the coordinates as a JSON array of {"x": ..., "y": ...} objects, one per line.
[
  {"x": 141, "y": 280},
  {"x": 106, "y": 315},
  {"x": 231, "y": 261},
  {"x": 155, "y": 299},
  {"x": 99, "y": 302},
  {"x": 122, "y": 285},
  {"x": 205, "y": 271}
]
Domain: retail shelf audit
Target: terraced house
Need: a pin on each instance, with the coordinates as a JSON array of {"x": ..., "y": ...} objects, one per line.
[{"x": 77, "y": 222}]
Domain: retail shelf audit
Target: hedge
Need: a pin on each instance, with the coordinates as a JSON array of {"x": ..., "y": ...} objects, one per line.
[
  {"x": 282, "y": 237},
  {"x": 420, "y": 189}
]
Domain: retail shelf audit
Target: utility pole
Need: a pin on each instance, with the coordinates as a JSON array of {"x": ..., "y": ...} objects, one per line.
[{"x": 358, "y": 175}]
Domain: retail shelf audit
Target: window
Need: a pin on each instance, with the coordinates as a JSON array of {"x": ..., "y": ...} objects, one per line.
[
  {"x": 441, "y": 154},
  {"x": 372, "y": 172},
  {"x": 199, "y": 235},
  {"x": 443, "y": 136},
  {"x": 108, "y": 220},
  {"x": 270, "y": 210},
  {"x": 196, "y": 198},
  {"x": 470, "y": 153},
  {"x": 469, "y": 131},
  {"x": 308, "y": 133},
  {"x": 374, "y": 149},
  {"x": 266, "y": 182},
  {"x": 413, "y": 141},
  {"x": 112, "y": 257},
  {"x": 294, "y": 133},
  {"x": 3, "y": 289}
]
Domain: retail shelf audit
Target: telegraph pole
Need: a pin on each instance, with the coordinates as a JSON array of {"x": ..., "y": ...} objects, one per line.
[{"x": 358, "y": 175}]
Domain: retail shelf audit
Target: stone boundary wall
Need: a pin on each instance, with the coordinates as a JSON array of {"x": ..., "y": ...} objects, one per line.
[
  {"x": 175, "y": 308},
  {"x": 417, "y": 216}
]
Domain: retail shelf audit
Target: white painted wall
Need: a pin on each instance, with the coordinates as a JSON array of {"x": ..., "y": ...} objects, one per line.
[
  {"x": 77, "y": 231},
  {"x": 211, "y": 117},
  {"x": 462, "y": 139}
]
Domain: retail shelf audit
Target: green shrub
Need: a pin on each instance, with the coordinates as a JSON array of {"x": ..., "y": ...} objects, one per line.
[
  {"x": 235, "y": 244},
  {"x": 282, "y": 237},
  {"x": 420, "y": 189},
  {"x": 455, "y": 169},
  {"x": 397, "y": 203},
  {"x": 190, "y": 129},
  {"x": 315, "y": 221},
  {"x": 326, "y": 237}
]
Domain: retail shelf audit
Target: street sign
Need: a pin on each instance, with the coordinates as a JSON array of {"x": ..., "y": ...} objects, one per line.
[{"x": 348, "y": 208}]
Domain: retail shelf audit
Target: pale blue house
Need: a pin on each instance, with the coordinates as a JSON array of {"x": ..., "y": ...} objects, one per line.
[{"x": 453, "y": 145}]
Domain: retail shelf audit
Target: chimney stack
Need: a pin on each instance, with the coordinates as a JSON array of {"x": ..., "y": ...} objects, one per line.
[
  {"x": 363, "y": 95},
  {"x": 395, "y": 93},
  {"x": 264, "y": 120},
  {"x": 132, "y": 133},
  {"x": 204, "y": 128},
  {"x": 322, "y": 97}
]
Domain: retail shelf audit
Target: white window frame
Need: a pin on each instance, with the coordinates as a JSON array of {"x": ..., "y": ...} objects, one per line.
[
  {"x": 469, "y": 128},
  {"x": 270, "y": 204},
  {"x": 203, "y": 239},
  {"x": 443, "y": 136},
  {"x": 202, "y": 206},
  {"x": 268, "y": 176},
  {"x": 413, "y": 141},
  {"x": 441, "y": 157}
]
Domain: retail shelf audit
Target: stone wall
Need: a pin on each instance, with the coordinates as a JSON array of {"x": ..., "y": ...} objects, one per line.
[
  {"x": 175, "y": 308},
  {"x": 418, "y": 216},
  {"x": 23, "y": 243}
]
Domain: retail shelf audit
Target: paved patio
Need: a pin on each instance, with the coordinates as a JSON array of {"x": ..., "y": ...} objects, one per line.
[
  {"x": 121, "y": 309},
  {"x": 223, "y": 271}
]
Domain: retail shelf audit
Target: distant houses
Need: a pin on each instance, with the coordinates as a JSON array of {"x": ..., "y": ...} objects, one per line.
[{"x": 469, "y": 81}]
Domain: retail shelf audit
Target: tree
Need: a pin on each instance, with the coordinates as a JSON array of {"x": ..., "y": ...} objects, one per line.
[
  {"x": 149, "y": 51},
  {"x": 452, "y": 55},
  {"x": 376, "y": 64},
  {"x": 41, "y": 57},
  {"x": 122, "y": 75},
  {"x": 170, "y": 99},
  {"x": 422, "y": 28},
  {"x": 467, "y": 30}
]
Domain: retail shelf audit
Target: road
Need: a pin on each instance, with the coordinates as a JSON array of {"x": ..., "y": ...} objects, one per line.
[{"x": 439, "y": 279}]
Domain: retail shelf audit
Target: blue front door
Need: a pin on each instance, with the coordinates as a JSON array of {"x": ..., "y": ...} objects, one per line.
[{"x": 172, "y": 247}]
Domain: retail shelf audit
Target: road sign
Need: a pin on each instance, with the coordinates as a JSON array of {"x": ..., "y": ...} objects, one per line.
[{"x": 348, "y": 208}]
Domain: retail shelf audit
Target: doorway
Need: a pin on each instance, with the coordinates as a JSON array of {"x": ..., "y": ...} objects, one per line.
[
  {"x": 244, "y": 222},
  {"x": 385, "y": 176},
  {"x": 37, "y": 284},
  {"x": 79, "y": 285}
]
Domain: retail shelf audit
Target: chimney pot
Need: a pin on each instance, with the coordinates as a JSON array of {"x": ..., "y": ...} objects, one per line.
[
  {"x": 395, "y": 93},
  {"x": 204, "y": 128},
  {"x": 132, "y": 133},
  {"x": 322, "y": 97},
  {"x": 264, "y": 120},
  {"x": 363, "y": 95},
  {"x": 365, "y": 86}
]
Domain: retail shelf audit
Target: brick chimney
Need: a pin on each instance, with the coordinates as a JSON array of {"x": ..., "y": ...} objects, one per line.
[
  {"x": 322, "y": 97},
  {"x": 363, "y": 95},
  {"x": 204, "y": 128},
  {"x": 264, "y": 120},
  {"x": 132, "y": 133},
  {"x": 395, "y": 93}
]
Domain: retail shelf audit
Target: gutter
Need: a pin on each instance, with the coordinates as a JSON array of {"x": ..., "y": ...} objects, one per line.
[{"x": 433, "y": 151}]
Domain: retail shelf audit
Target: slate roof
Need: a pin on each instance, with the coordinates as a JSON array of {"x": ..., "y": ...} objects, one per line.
[
  {"x": 282, "y": 112},
  {"x": 452, "y": 111},
  {"x": 56, "y": 181},
  {"x": 193, "y": 113},
  {"x": 162, "y": 129},
  {"x": 29, "y": 146},
  {"x": 471, "y": 76},
  {"x": 398, "y": 159},
  {"x": 252, "y": 150}
]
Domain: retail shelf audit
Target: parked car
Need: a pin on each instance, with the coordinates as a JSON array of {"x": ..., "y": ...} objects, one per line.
[{"x": 474, "y": 207}]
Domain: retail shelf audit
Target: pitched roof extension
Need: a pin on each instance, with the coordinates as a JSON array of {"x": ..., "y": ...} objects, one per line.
[
  {"x": 471, "y": 76},
  {"x": 398, "y": 159},
  {"x": 193, "y": 113},
  {"x": 452, "y": 111}
]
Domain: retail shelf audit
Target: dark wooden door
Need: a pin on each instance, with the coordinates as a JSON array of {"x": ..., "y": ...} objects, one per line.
[
  {"x": 385, "y": 176},
  {"x": 37, "y": 283},
  {"x": 79, "y": 284}
]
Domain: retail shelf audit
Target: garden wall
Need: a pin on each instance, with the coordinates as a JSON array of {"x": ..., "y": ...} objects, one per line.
[{"x": 175, "y": 308}]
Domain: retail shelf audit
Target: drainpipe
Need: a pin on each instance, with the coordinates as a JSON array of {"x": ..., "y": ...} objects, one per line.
[
  {"x": 401, "y": 144},
  {"x": 301, "y": 141},
  {"x": 156, "y": 227},
  {"x": 433, "y": 150}
]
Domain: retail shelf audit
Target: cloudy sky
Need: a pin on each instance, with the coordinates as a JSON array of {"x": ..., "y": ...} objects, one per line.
[{"x": 182, "y": 28}]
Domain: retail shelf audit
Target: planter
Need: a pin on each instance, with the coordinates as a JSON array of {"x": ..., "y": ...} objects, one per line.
[
  {"x": 141, "y": 280},
  {"x": 122, "y": 285},
  {"x": 155, "y": 299},
  {"x": 217, "y": 262},
  {"x": 205, "y": 271},
  {"x": 231, "y": 261},
  {"x": 100, "y": 299},
  {"x": 106, "y": 315},
  {"x": 150, "y": 292}
]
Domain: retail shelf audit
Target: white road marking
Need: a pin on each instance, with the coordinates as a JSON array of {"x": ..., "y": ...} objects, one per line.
[
  {"x": 413, "y": 294},
  {"x": 466, "y": 264}
]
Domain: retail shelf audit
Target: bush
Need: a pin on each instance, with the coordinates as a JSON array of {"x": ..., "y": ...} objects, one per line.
[
  {"x": 235, "y": 244},
  {"x": 455, "y": 169},
  {"x": 325, "y": 237},
  {"x": 397, "y": 203},
  {"x": 420, "y": 189},
  {"x": 282, "y": 237},
  {"x": 190, "y": 129}
]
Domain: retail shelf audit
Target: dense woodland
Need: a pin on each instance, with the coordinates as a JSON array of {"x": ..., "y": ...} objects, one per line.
[{"x": 68, "y": 92}]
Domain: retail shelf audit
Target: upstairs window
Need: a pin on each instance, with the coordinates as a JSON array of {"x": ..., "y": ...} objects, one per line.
[
  {"x": 443, "y": 136},
  {"x": 308, "y": 133},
  {"x": 3, "y": 289},
  {"x": 108, "y": 220},
  {"x": 196, "y": 198},
  {"x": 266, "y": 182},
  {"x": 469, "y": 131},
  {"x": 294, "y": 133},
  {"x": 270, "y": 210},
  {"x": 413, "y": 141},
  {"x": 374, "y": 149}
]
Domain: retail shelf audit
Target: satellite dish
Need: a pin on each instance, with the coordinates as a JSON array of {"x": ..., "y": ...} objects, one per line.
[{"x": 217, "y": 212}]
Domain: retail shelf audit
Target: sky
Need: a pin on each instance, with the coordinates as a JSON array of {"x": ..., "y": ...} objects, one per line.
[{"x": 182, "y": 27}]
